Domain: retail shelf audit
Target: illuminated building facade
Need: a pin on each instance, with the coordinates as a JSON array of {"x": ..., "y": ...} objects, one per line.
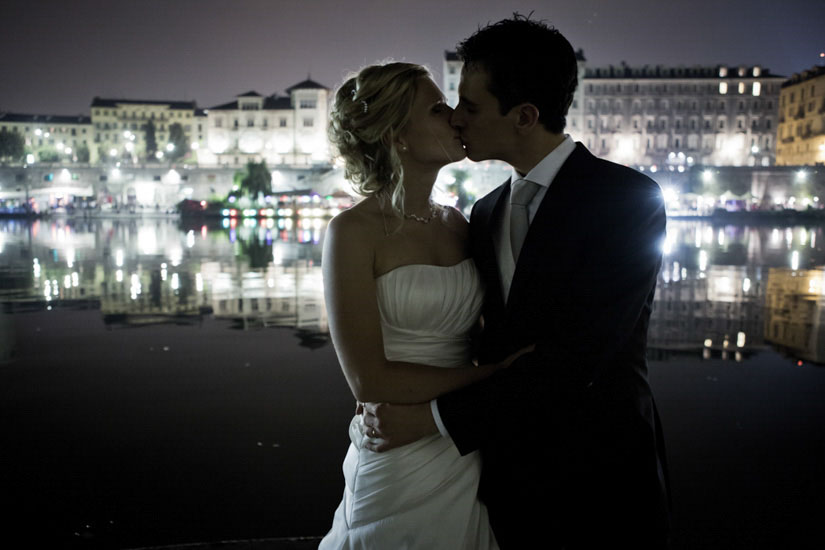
[
  {"x": 62, "y": 136},
  {"x": 280, "y": 130},
  {"x": 801, "y": 137},
  {"x": 662, "y": 118},
  {"x": 120, "y": 127}
]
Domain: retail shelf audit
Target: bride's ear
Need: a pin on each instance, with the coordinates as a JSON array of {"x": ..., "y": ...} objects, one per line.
[{"x": 400, "y": 145}]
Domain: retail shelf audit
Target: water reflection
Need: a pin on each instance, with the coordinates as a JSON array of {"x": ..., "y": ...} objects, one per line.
[
  {"x": 724, "y": 290},
  {"x": 157, "y": 271}
]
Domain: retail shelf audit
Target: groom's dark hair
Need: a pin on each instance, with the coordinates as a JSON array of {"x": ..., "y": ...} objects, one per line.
[{"x": 527, "y": 62}]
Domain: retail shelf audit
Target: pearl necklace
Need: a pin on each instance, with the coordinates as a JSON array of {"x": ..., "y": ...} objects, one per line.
[{"x": 433, "y": 213}]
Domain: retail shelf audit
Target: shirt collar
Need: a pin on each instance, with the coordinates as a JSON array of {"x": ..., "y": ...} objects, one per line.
[{"x": 544, "y": 172}]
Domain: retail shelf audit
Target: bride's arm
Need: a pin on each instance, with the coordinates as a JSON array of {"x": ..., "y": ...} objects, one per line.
[{"x": 355, "y": 325}]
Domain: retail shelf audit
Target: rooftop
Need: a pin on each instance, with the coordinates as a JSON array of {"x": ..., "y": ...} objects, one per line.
[
  {"x": 106, "y": 102},
  {"x": 45, "y": 119},
  {"x": 696, "y": 71},
  {"x": 797, "y": 78}
]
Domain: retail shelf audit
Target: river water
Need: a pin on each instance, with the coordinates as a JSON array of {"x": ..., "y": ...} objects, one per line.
[{"x": 165, "y": 382}]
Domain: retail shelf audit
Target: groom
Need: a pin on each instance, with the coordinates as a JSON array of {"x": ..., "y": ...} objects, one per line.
[{"x": 569, "y": 249}]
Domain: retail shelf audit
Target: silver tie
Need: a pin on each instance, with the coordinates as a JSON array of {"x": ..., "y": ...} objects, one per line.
[{"x": 522, "y": 193}]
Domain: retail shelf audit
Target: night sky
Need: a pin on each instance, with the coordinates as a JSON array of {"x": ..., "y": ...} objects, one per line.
[{"x": 56, "y": 55}]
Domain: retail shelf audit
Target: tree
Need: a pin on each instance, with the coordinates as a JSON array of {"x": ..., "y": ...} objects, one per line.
[
  {"x": 151, "y": 142},
  {"x": 48, "y": 154},
  {"x": 82, "y": 153},
  {"x": 178, "y": 139},
  {"x": 257, "y": 180},
  {"x": 12, "y": 146}
]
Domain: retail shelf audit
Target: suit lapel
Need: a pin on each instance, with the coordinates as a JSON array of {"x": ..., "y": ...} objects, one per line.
[
  {"x": 544, "y": 229},
  {"x": 488, "y": 218}
]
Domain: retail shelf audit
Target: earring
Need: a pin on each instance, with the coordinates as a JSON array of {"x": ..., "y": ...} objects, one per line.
[{"x": 404, "y": 148}]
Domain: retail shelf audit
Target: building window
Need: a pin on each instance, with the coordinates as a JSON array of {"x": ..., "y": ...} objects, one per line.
[
  {"x": 723, "y": 87},
  {"x": 282, "y": 122},
  {"x": 741, "y": 87},
  {"x": 250, "y": 123},
  {"x": 308, "y": 123},
  {"x": 218, "y": 123},
  {"x": 308, "y": 103},
  {"x": 757, "y": 88}
]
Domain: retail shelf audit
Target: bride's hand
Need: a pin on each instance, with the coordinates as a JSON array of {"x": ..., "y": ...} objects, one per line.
[{"x": 513, "y": 356}]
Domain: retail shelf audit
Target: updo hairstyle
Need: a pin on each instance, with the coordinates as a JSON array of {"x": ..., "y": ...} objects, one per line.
[{"x": 370, "y": 110}]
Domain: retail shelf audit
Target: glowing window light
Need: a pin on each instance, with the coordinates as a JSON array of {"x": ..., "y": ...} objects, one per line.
[
  {"x": 795, "y": 260},
  {"x": 723, "y": 87},
  {"x": 757, "y": 88},
  {"x": 746, "y": 285},
  {"x": 703, "y": 260}
]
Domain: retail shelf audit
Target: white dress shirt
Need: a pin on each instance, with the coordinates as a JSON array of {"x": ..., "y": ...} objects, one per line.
[{"x": 543, "y": 174}]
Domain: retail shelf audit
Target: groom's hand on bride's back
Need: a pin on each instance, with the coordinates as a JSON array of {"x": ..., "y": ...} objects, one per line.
[{"x": 387, "y": 426}]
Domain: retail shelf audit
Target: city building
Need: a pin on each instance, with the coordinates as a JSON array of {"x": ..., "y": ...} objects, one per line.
[
  {"x": 669, "y": 118},
  {"x": 51, "y": 138},
  {"x": 451, "y": 76},
  {"x": 120, "y": 133},
  {"x": 801, "y": 131},
  {"x": 280, "y": 130},
  {"x": 661, "y": 118}
]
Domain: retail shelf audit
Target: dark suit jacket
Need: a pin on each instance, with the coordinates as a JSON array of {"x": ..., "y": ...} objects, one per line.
[{"x": 572, "y": 452}]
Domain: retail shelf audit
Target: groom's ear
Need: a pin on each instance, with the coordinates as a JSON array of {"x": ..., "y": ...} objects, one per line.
[{"x": 526, "y": 117}]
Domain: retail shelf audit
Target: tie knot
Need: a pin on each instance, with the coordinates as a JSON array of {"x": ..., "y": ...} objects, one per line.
[{"x": 523, "y": 192}]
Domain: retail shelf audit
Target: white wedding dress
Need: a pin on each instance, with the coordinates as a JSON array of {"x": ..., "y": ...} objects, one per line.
[{"x": 423, "y": 495}]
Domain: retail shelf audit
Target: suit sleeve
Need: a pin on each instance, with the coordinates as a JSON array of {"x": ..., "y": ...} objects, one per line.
[{"x": 597, "y": 331}]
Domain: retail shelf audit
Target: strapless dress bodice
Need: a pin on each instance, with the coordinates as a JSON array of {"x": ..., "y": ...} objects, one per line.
[{"x": 428, "y": 311}]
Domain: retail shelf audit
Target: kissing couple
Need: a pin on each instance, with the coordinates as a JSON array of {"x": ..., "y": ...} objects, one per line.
[{"x": 499, "y": 365}]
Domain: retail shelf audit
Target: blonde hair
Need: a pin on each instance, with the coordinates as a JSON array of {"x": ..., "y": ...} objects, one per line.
[{"x": 370, "y": 109}]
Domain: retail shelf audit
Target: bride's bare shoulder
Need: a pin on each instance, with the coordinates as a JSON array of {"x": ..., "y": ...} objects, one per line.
[{"x": 358, "y": 221}]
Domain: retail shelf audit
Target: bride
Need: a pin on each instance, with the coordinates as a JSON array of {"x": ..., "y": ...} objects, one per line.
[{"x": 402, "y": 296}]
